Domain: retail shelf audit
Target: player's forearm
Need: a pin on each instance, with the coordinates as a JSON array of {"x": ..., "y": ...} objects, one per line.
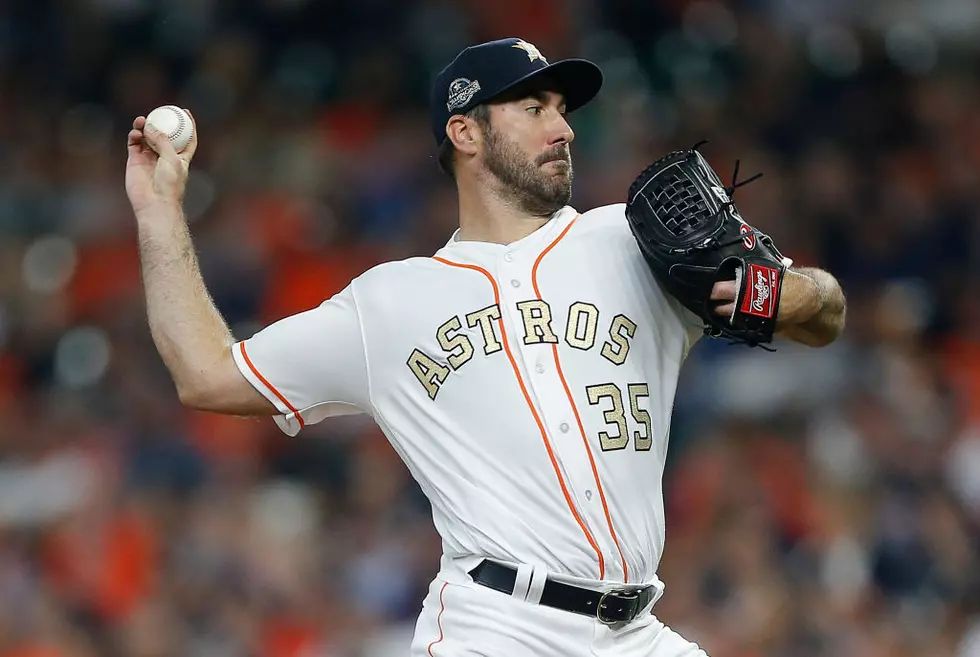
[
  {"x": 812, "y": 307},
  {"x": 187, "y": 328}
]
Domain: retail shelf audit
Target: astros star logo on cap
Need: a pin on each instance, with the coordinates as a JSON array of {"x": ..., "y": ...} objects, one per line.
[{"x": 531, "y": 50}]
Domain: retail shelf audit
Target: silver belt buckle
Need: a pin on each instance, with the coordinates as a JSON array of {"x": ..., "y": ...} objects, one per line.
[{"x": 622, "y": 593}]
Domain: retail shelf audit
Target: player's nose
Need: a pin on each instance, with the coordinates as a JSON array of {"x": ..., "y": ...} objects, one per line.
[{"x": 561, "y": 132}]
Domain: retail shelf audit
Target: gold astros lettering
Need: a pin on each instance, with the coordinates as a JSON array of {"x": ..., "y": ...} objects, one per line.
[{"x": 459, "y": 337}]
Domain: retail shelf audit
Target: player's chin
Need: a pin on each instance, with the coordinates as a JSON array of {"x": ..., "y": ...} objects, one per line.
[{"x": 560, "y": 195}]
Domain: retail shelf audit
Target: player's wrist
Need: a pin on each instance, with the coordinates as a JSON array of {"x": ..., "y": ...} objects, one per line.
[
  {"x": 800, "y": 299},
  {"x": 159, "y": 210}
]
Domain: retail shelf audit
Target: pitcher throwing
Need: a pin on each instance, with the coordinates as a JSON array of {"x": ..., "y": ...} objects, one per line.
[{"x": 525, "y": 373}]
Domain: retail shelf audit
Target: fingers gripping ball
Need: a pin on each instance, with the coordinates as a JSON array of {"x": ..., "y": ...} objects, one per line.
[{"x": 173, "y": 122}]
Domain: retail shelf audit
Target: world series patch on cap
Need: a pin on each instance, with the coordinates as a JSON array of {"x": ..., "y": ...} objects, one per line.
[{"x": 483, "y": 72}]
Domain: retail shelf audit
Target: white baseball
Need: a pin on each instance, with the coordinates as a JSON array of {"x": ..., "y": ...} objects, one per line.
[{"x": 173, "y": 122}]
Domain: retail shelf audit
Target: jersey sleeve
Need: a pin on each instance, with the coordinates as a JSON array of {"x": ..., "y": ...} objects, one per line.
[
  {"x": 311, "y": 365},
  {"x": 689, "y": 323},
  {"x": 692, "y": 324}
]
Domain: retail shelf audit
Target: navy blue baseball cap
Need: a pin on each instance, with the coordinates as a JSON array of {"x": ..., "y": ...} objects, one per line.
[{"x": 481, "y": 73}]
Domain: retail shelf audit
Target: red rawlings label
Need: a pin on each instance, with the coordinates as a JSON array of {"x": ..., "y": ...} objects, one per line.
[{"x": 760, "y": 297}]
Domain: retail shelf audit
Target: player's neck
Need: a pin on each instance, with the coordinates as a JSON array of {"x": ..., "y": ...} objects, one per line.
[{"x": 488, "y": 218}]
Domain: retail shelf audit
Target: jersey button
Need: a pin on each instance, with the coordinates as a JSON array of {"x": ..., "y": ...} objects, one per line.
[
  {"x": 515, "y": 283},
  {"x": 564, "y": 427},
  {"x": 539, "y": 368},
  {"x": 509, "y": 257}
]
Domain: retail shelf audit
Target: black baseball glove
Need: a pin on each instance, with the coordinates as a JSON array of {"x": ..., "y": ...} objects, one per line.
[{"x": 692, "y": 236}]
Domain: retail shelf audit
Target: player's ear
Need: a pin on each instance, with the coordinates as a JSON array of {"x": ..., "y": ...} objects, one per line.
[{"x": 464, "y": 134}]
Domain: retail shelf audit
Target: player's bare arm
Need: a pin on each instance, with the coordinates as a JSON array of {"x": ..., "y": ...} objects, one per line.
[
  {"x": 192, "y": 338},
  {"x": 811, "y": 310}
]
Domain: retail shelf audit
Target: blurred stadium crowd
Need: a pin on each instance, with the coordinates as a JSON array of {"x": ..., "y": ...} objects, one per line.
[{"x": 821, "y": 503}]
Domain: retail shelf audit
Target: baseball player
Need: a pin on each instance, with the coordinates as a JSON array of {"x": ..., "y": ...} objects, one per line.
[{"x": 525, "y": 373}]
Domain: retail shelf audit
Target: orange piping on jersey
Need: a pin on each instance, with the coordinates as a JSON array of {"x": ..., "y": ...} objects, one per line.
[
  {"x": 248, "y": 361},
  {"x": 442, "y": 608},
  {"x": 571, "y": 400},
  {"x": 534, "y": 412}
]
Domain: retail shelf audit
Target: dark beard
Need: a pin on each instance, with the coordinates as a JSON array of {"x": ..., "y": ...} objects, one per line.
[{"x": 535, "y": 191}]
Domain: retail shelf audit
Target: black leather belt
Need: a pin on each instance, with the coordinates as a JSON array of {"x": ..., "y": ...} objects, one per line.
[{"x": 609, "y": 607}]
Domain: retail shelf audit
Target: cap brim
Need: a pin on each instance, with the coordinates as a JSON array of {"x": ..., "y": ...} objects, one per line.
[{"x": 579, "y": 80}]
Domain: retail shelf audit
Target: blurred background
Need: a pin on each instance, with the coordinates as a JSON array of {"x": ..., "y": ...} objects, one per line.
[{"x": 820, "y": 502}]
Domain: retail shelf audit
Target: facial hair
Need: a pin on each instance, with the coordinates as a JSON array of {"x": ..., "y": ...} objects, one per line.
[{"x": 537, "y": 191}]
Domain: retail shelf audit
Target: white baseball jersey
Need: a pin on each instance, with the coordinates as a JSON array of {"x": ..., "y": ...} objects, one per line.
[{"x": 528, "y": 387}]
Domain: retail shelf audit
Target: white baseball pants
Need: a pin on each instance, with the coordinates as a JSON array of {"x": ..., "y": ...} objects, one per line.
[{"x": 462, "y": 619}]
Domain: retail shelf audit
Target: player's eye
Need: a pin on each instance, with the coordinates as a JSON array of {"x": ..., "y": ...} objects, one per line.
[{"x": 535, "y": 109}]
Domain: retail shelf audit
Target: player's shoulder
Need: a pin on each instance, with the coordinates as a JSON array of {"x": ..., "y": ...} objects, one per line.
[
  {"x": 607, "y": 221},
  {"x": 395, "y": 273},
  {"x": 611, "y": 212},
  {"x": 604, "y": 218}
]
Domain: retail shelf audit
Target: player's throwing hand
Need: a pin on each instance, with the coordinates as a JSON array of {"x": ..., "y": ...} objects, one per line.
[{"x": 156, "y": 174}]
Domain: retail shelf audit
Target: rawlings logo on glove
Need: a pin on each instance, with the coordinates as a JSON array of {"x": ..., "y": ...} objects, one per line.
[{"x": 762, "y": 292}]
